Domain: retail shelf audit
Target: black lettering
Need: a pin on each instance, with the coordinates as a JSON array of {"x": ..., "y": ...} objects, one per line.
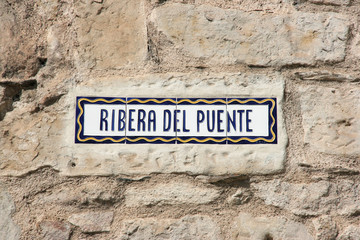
[
  {"x": 103, "y": 115},
  {"x": 131, "y": 111},
  {"x": 231, "y": 121},
  {"x": 141, "y": 117},
  {"x": 248, "y": 121},
  {"x": 176, "y": 120},
  {"x": 219, "y": 120},
  {"x": 152, "y": 119},
  {"x": 240, "y": 119},
  {"x": 184, "y": 122},
  {"x": 200, "y": 119},
  {"x": 167, "y": 119},
  {"x": 208, "y": 120},
  {"x": 121, "y": 123}
]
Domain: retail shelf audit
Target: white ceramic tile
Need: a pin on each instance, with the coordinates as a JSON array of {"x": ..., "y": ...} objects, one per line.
[
  {"x": 250, "y": 120},
  {"x": 103, "y": 119},
  {"x": 150, "y": 120},
  {"x": 201, "y": 120}
]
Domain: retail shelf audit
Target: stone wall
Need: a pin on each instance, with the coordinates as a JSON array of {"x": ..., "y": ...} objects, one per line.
[{"x": 304, "y": 52}]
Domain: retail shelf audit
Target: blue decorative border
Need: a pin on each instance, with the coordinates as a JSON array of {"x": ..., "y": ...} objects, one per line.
[
  {"x": 272, "y": 137},
  {"x": 79, "y": 120},
  {"x": 81, "y": 138}
]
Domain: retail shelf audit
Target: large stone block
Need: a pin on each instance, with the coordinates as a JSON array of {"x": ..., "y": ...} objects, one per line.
[
  {"x": 111, "y": 34},
  {"x": 8, "y": 229},
  {"x": 52, "y": 230},
  {"x": 325, "y": 228},
  {"x": 247, "y": 227},
  {"x": 93, "y": 222},
  {"x": 217, "y": 36},
  {"x": 350, "y": 232},
  {"x": 170, "y": 193},
  {"x": 330, "y": 118},
  {"x": 202, "y": 159},
  {"x": 311, "y": 199},
  {"x": 331, "y": 2},
  {"x": 188, "y": 227}
]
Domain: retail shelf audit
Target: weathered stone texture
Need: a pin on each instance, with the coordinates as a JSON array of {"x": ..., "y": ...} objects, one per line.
[
  {"x": 311, "y": 199},
  {"x": 88, "y": 194},
  {"x": 240, "y": 197},
  {"x": 24, "y": 29},
  {"x": 247, "y": 227},
  {"x": 52, "y": 51},
  {"x": 355, "y": 43},
  {"x": 8, "y": 229},
  {"x": 170, "y": 193},
  {"x": 351, "y": 232},
  {"x": 331, "y": 2},
  {"x": 93, "y": 222},
  {"x": 325, "y": 228},
  {"x": 327, "y": 76},
  {"x": 55, "y": 230},
  {"x": 232, "y": 36},
  {"x": 189, "y": 227},
  {"x": 111, "y": 34},
  {"x": 330, "y": 118}
]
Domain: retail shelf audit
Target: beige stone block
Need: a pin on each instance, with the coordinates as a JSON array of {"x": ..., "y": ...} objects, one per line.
[
  {"x": 93, "y": 222},
  {"x": 248, "y": 227},
  {"x": 111, "y": 34},
  {"x": 189, "y": 227},
  {"x": 331, "y": 2},
  {"x": 330, "y": 118},
  {"x": 170, "y": 193},
  {"x": 8, "y": 229},
  {"x": 350, "y": 232},
  {"x": 197, "y": 159},
  {"x": 219, "y": 36},
  {"x": 311, "y": 199}
]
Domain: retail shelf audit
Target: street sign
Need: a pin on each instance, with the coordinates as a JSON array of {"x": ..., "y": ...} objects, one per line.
[{"x": 128, "y": 120}]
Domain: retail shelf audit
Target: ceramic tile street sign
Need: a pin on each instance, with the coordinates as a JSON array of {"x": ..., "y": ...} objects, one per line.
[{"x": 176, "y": 120}]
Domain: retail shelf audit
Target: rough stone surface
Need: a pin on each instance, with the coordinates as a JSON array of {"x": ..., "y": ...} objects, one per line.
[
  {"x": 327, "y": 76},
  {"x": 93, "y": 222},
  {"x": 111, "y": 34},
  {"x": 306, "y": 53},
  {"x": 355, "y": 43},
  {"x": 232, "y": 36},
  {"x": 330, "y": 119},
  {"x": 351, "y": 232},
  {"x": 325, "y": 228},
  {"x": 190, "y": 158},
  {"x": 170, "y": 193},
  {"x": 331, "y": 2},
  {"x": 245, "y": 226},
  {"x": 313, "y": 198},
  {"x": 188, "y": 227},
  {"x": 240, "y": 197},
  {"x": 88, "y": 193},
  {"x": 8, "y": 229},
  {"x": 55, "y": 230}
]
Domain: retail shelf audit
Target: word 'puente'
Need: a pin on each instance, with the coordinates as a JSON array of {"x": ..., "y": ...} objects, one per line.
[{"x": 174, "y": 120}]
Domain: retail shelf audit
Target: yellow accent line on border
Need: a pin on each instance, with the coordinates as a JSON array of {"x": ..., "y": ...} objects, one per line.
[
  {"x": 152, "y": 100},
  {"x": 150, "y": 140},
  {"x": 169, "y": 140},
  {"x": 201, "y": 100},
  {"x": 204, "y": 140},
  {"x": 272, "y": 125},
  {"x": 82, "y": 111}
]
